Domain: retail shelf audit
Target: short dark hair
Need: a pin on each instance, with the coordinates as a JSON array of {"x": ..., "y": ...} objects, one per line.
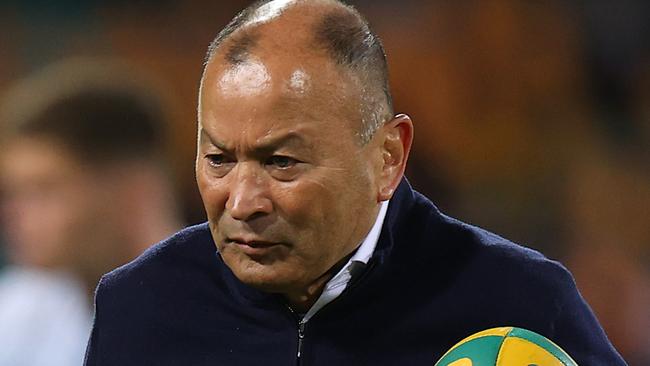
[
  {"x": 96, "y": 120},
  {"x": 235, "y": 24},
  {"x": 349, "y": 41}
]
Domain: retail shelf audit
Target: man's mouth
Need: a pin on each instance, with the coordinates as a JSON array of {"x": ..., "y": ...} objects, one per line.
[{"x": 252, "y": 246}]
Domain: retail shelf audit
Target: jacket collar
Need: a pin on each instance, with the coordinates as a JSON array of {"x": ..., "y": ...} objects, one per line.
[{"x": 402, "y": 201}]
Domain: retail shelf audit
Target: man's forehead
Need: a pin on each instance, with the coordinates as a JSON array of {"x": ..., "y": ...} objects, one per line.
[
  {"x": 277, "y": 62},
  {"x": 287, "y": 91},
  {"x": 279, "y": 75},
  {"x": 249, "y": 78},
  {"x": 279, "y": 40}
]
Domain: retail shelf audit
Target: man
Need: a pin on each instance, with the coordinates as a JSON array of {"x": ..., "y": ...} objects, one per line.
[
  {"x": 84, "y": 189},
  {"x": 324, "y": 254}
]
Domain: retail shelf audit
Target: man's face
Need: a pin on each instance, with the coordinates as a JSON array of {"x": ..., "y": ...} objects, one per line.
[
  {"x": 287, "y": 187},
  {"x": 55, "y": 210},
  {"x": 46, "y": 202}
]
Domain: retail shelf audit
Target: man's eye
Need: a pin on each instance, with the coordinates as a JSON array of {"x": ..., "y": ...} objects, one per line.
[
  {"x": 219, "y": 164},
  {"x": 216, "y": 160},
  {"x": 282, "y": 162}
]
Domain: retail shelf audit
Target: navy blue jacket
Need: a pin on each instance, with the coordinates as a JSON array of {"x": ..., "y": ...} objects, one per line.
[{"x": 432, "y": 281}]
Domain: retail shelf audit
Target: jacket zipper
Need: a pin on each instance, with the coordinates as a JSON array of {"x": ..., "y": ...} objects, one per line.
[
  {"x": 301, "y": 333},
  {"x": 301, "y": 337},
  {"x": 302, "y": 324}
]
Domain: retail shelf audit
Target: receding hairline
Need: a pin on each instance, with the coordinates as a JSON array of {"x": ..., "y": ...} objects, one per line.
[
  {"x": 243, "y": 29},
  {"x": 331, "y": 28}
]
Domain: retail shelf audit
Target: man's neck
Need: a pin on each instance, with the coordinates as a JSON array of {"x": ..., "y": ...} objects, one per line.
[{"x": 302, "y": 300}]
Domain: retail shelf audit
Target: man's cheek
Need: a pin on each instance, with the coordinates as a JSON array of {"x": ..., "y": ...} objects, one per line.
[{"x": 214, "y": 201}]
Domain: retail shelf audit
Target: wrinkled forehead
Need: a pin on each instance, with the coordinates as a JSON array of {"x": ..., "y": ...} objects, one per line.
[
  {"x": 281, "y": 78},
  {"x": 267, "y": 95}
]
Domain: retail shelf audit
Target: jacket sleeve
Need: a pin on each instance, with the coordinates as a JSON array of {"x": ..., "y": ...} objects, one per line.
[{"x": 578, "y": 332}]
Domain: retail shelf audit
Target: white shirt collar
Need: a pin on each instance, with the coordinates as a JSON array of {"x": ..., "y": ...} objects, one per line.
[
  {"x": 369, "y": 244},
  {"x": 335, "y": 286}
]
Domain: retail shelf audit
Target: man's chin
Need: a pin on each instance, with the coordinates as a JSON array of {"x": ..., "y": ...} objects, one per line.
[{"x": 267, "y": 280}]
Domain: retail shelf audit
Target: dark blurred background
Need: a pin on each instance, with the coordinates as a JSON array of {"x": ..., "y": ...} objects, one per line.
[{"x": 532, "y": 117}]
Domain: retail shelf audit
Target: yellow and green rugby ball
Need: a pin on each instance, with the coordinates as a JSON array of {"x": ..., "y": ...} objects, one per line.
[{"x": 506, "y": 346}]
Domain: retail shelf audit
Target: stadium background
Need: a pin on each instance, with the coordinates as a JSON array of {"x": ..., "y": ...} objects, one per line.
[{"x": 532, "y": 118}]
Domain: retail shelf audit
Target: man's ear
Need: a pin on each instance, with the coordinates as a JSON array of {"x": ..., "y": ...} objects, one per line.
[{"x": 396, "y": 145}]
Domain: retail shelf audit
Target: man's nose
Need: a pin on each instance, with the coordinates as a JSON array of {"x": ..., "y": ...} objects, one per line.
[{"x": 249, "y": 193}]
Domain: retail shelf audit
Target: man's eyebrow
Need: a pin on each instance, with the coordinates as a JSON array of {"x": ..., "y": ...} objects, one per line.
[
  {"x": 204, "y": 136},
  {"x": 291, "y": 138}
]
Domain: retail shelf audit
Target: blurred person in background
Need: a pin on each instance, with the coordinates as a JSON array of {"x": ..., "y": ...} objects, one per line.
[{"x": 84, "y": 188}]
